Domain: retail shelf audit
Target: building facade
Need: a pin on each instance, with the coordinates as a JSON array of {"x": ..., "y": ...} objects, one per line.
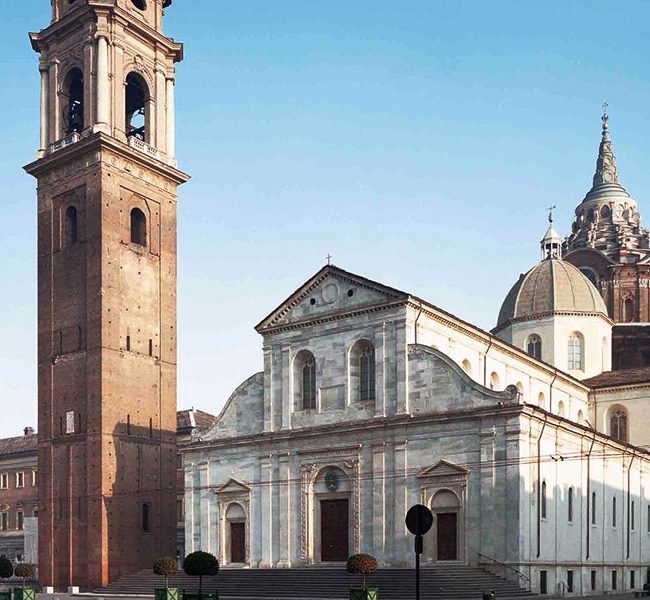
[
  {"x": 372, "y": 400},
  {"x": 107, "y": 181},
  {"x": 18, "y": 491}
]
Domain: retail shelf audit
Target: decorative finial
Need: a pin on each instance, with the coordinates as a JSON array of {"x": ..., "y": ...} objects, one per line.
[
  {"x": 329, "y": 259},
  {"x": 550, "y": 210},
  {"x": 604, "y": 118}
]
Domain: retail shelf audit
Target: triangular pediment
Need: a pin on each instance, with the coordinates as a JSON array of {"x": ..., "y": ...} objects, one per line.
[
  {"x": 232, "y": 486},
  {"x": 330, "y": 292},
  {"x": 444, "y": 469}
]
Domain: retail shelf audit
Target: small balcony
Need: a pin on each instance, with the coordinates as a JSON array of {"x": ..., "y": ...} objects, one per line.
[{"x": 68, "y": 140}]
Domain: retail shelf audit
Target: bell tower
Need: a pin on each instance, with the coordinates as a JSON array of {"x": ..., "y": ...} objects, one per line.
[{"x": 107, "y": 182}]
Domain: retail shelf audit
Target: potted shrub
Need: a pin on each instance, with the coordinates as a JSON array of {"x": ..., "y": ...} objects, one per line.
[
  {"x": 25, "y": 571},
  {"x": 200, "y": 564},
  {"x": 366, "y": 565},
  {"x": 166, "y": 566},
  {"x": 6, "y": 571}
]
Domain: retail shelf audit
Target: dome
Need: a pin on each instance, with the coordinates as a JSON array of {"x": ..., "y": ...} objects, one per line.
[{"x": 552, "y": 286}]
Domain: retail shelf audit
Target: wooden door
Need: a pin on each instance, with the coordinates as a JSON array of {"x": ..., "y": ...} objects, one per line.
[
  {"x": 334, "y": 530},
  {"x": 447, "y": 536},
  {"x": 237, "y": 542}
]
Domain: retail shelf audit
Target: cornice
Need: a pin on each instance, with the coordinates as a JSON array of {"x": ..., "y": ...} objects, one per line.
[{"x": 101, "y": 141}]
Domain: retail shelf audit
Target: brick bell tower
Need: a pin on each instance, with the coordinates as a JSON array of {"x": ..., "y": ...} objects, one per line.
[{"x": 107, "y": 181}]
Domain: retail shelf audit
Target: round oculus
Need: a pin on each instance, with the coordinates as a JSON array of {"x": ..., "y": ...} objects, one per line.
[
  {"x": 330, "y": 293},
  {"x": 140, "y": 4}
]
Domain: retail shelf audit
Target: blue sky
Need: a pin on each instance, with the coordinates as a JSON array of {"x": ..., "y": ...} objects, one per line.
[{"x": 417, "y": 142}]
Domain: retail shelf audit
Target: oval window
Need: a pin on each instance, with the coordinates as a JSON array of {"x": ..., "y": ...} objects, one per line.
[{"x": 139, "y": 4}]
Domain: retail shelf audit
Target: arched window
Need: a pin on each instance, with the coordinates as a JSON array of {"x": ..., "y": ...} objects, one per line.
[
  {"x": 467, "y": 367},
  {"x": 605, "y": 212},
  {"x": 305, "y": 380},
  {"x": 570, "y": 505},
  {"x": 605, "y": 355},
  {"x": 74, "y": 112},
  {"x": 494, "y": 381},
  {"x": 591, "y": 275},
  {"x": 543, "y": 500},
  {"x": 581, "y": 417},
  {"x": 628, "y": 310},
  {"x": 534, "y": 346},
  {"x": 367, "y": 374},
  {"x": 560, "y": 408},
  {"x": 575, "y": 352},
  {"x": 618, "y": 425},
  {"x": 137, "y": 97},
  {"x": 541, "y": 400},
  {"x": 138, "y": 227},
  {"x": 361, "y": 371},
  {"x": 70, "y": 226}
]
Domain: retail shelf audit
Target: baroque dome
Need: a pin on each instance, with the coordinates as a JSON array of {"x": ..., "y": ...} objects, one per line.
[{"x": 552, "y": 286}]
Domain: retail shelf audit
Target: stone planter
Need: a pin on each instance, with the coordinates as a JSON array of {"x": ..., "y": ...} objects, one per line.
[
  {"x": 167, "y": 594},
  {"x": 364, "y": 593},
  {"x": 26, "y": 593}
]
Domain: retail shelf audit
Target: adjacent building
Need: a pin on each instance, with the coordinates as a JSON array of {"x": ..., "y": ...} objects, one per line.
[{"x": 19, "y": 487}]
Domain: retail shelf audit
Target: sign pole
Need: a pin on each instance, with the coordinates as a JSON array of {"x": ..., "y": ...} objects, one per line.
[{"x": 418, "y": 521}]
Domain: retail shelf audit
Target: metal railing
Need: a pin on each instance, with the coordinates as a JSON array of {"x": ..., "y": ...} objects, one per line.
[{"x": 504, "y": 565}]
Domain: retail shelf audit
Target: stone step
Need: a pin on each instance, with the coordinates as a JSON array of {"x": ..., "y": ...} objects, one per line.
[{"x": 443, "y": 581}]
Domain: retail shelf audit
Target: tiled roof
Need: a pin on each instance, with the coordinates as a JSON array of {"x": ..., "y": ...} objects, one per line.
[
  {"x": 25, "y": 444},
  {"x": 620, "y": 378},
  {"x": 193, "y": 419}
]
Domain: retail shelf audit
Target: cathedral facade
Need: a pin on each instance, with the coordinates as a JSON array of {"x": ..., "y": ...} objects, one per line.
[{"x": 529, "y": 450}]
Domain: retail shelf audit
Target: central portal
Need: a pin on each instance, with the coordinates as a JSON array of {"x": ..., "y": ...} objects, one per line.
[{"x": 334, "y": 530}]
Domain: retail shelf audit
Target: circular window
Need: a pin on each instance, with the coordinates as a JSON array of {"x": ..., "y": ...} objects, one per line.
[{"x": 139, "y": 4}]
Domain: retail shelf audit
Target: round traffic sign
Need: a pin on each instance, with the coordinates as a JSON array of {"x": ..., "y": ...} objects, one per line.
[{"x": 419, "y": 519}]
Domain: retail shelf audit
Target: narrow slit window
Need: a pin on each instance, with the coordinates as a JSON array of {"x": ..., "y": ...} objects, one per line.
[
  {"x": 138, "y": 227},
  {"x": 71, "y": 226},
  {"x": 128, "y": 424},
  {"x": 146, "y": 526},
  {"x": 150, "y": 347},
  {"x": 136, "y": 107},
  {"x": 367, "y": 374}
]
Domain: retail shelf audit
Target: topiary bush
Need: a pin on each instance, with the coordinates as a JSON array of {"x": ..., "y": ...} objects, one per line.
[
  {"x": 24, "y": 571},
  {"x": 200, "y": 564},
  {"x": 365, "y": 564},
  {"x": 165, "y": 566},
  {"x": 6, "y": 568}
]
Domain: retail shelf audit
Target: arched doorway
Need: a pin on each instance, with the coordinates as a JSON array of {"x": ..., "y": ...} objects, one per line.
[
  {"x": 236, "y": 534},
  {"x": 332, "y": 498},
  {"x": 446, "y": 511}
]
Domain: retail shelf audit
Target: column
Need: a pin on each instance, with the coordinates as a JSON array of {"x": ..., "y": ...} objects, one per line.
[
  {"x": 44, "y": 108},
  {"x": 102, "y": 85},
  {"x": 287, "y": 399},
  {"x": 205, "y": 508},
  {"x": 266, "y": 524},
  {"x": 171, "y": 123},
  {"x": 286, "y": 514}
]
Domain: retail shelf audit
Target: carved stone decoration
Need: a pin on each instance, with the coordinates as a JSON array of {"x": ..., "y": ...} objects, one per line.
[{"x": 346, "y": 460}]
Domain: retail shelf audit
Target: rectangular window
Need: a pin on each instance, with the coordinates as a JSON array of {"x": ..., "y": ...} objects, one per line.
[
  {"x": 614, "y": 512},
  {"x": 632, "y": 579},
  {"x": 146, "y": 507},
  {"x": 180, "y": 510},
  {"x": 20, "y": 520},
  {"x": 593, "y": 581},
  {"x": 614, "y": 579},
  {"x": 632, "y": 519},
  {"x": 569, "y": 581},
  {"x": 35, "y": 511},
  {"x": 4, "y": 484},
  {"x": 4, "y": 521},
  {"x": 179, "y": 461},
  {"x": 34, "y": 477},
  {"x": 570, "y": 515},
  {"x": 542, "y": 582},
  {"x": 20, "y": 479},
  {"x": 593, "y": 508}
]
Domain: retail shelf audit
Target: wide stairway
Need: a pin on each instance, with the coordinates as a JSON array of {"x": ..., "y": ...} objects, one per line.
[{"x": 443, "y": 581}]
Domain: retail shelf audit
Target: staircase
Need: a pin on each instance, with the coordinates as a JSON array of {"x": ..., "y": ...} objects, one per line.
[{"x": 442, "y": 581}]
